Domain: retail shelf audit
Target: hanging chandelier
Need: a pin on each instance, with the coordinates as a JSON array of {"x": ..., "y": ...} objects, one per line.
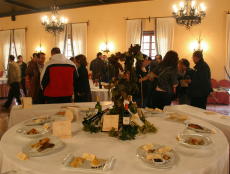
[
  {"x": 189, "y": 13},
  {"x": 55, "y": 23}
]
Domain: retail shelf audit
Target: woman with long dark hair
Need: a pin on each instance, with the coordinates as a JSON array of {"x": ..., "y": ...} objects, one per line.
[
  {"x": 166, "y": 80},
  {"x": 83, "y": 93}
]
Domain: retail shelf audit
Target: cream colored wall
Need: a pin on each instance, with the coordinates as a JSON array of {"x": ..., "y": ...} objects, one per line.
[{"x": 109, "y": 21}]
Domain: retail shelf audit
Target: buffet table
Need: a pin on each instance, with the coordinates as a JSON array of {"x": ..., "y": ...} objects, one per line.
[
  {"x": 103, "y": 94},
  {"x": 218, "y": 120},
  {"x": 211, "y": 160}
]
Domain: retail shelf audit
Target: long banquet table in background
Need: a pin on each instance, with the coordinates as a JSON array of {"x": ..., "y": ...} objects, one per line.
[
  {"x": 213, "y": 160},
  {"x": 218, "y": 120}
]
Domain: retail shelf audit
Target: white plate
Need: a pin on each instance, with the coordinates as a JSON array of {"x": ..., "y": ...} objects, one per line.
[
  {"x": 42, "y": 131},
  {"x": 141, "y": 154},
  {"x": 38, "y": 121},
  {"x": 201, "y": 130},
  {"x": 150, "y": 113},
  {"x": 105, "y": 166},
  {"x": 184, "y": 137},
  {"x": 32, "y": 152}
]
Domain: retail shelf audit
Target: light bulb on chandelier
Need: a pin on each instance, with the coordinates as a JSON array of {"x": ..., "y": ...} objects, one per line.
[
  {"x": 54, "y": 24},
  {"x": 189, "y": 13}
]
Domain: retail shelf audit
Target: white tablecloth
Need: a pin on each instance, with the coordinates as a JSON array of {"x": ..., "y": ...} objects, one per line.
[
  {"x": 214, "y": 160},
  {"x": 218, "y": 120},
  {"x": 3, "y": 80},
  {"x": 103, "y": 94}
]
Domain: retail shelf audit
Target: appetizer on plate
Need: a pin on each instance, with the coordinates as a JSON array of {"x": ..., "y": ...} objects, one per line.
[
  {"x": 33, "y": 131},
  {"x": 177, "y": 117},
  {"x": 198, "y": 128},
  {"x": 38, "y": 121},
  {"x": 87, "y": 161},
  {"x": 157, "y": 156},
  {"x": 194, "y": 140},
  {"x": 43, "y": 146}
]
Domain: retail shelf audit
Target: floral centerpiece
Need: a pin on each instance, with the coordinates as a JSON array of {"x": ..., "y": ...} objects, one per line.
[{"x": 124, "y": 88}]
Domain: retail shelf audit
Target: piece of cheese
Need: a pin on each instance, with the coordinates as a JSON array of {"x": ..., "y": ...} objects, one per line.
[
  {"x": 165, "y": 149},
  {"x": 153, "y": 156},
  {"x": 88, "y": 156},
  {"x": 22, "y": 156},
  {"x": 148, "y": 147}
]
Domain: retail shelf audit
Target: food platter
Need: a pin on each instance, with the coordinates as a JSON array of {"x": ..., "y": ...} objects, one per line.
[
  {"x": 195, "y": 141},
  {"x": 33, "y": 131},
  {"x": 157, "y": 156},
  {"x": 38, "y": 121},
  {"x": 43, "y": 146},
  {"x": 197, "y": 127},
  {"x": 87, "y": 162}
]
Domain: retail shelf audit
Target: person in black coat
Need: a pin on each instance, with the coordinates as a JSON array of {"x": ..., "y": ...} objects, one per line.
[
  {"x": 23, "y": 68},
  {"x": 200, "y": 86},
  {"x": 83, "y": 92}
]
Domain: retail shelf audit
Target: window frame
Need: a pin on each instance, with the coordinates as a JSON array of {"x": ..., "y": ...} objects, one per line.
[{"x": 151, "y": 42}]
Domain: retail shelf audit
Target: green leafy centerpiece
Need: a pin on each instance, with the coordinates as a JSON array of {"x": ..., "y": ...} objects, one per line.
[{"x": 131, "y": 120}]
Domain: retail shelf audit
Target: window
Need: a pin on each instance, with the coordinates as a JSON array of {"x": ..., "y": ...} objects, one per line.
[
  {"x": 12, "y": 50},
  {"x": 68, "y": 49},
  {"x": 148, "y": 44}
]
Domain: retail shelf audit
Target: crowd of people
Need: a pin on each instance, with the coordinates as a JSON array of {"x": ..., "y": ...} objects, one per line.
[{"x": 63, "y": 80}]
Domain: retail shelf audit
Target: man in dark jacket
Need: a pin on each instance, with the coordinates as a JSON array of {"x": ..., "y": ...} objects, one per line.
[
  {"x": 98, "y": 68},
  {"x": 58, "y": 78},
  {"x": 23, "y": 68},
  {"x": 200, "y": 86}
]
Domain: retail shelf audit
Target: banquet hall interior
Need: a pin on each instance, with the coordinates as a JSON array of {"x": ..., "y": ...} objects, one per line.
[{"x": 155, "y": 73}]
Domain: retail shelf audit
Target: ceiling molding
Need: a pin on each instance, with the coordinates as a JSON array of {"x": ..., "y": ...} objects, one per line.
[
  {"x": 62, "y": 7},
  {"x": 14, "y": 2}
]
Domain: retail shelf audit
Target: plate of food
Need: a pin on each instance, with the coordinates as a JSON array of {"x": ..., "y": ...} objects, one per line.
[
  {"x": 151, "y": 112},
  {"x": 197, "y": 127},
  {"x": 157, "y": 156},
  {"x": 88, "y": 162},
  {"x": 38, "y": 121},
  {"x": 195, "y": 141},
  {"x": 33, "y": 131},
  {"x": 177, "y": 117},
  {"x": 43, "y": 146}
]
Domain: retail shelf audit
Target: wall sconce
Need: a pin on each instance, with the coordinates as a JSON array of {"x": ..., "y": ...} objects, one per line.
[
  {"x": 40, "y": 49},
  {"x": 107, "y": 47},
  {"x": 199, "y": 45}
]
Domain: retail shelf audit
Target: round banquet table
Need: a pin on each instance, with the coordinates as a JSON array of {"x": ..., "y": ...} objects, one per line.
[
  {"x": 103, "y": 94},
  {"x": 211, "y": 160}
]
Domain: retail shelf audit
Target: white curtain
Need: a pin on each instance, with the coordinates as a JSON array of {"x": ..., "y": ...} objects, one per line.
[
  {"x": 228, "y": 43},
  {"x": 19, "y": 40},
  {"x": 79, "y": 38},
  {"x": 133, "y": 32},
  {"x": 5, "y": 44},
  {"x": 165, "y": 34},
  {"x": 61, "y": 40}
]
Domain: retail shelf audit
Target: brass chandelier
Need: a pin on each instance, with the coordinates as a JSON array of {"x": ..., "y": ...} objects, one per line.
[
  {"x": 189, "y": 13},
  {"x": 55, "y": 23}
]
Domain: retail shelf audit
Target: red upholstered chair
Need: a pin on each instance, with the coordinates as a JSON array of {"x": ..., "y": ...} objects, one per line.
[
  {"x": 224, "y": 83},
  {"x": 219, "y": 96},
  {"x": 1, "y": 73},
  {"x": 214, "y": 83}
]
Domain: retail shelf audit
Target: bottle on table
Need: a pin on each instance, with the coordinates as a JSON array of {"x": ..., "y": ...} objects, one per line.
[
  {"x": 126, "y": 116},
  {"x": 98, "y": 106},
  {"x": 95, "y": 119}
]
